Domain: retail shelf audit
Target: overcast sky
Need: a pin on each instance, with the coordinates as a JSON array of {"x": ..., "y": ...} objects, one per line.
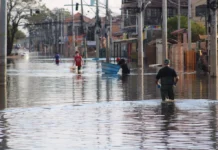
[{"x": 89, "y": 11}]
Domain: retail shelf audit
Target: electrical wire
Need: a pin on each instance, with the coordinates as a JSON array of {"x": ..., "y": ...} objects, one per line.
[
  {"x": 176, "y": 3},
  {"x": 90, "y": 7}
]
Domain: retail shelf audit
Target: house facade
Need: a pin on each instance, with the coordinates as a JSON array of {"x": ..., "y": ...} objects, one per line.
[
  {"x": 152, "y": 14},
  {"x": 152, "y": 23},
  {"x": 199, "y": 9},
  {"x": 89, "y": 27}
]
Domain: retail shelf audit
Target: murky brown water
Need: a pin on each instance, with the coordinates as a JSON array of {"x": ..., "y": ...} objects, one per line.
[{"x": 50, "y": 107}]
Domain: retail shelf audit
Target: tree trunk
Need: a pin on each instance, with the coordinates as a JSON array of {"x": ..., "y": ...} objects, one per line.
[
  {"x": 10, "y": 43},
  {"x": 10, "y": 38}
]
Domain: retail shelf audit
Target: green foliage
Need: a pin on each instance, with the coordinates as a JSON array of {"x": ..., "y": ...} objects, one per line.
[
  {"x": 196, "y": 27},
  {"x": 17, "y": 11},
  {"x": 20, "y": 11},
  {"x": 19, "y": 35}
]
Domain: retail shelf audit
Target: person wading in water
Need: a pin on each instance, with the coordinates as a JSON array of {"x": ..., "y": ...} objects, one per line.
[{"x": 168, "y": 79}]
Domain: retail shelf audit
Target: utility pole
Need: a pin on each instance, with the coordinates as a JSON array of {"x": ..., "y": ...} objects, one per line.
[
  {"x": 213, "y": 40},
  {"x": 108, "y": 35},
  {"x": 84, "y": 31},
  {"x": 61, "y": 25},
  {"x": 30, "y": 38},
  {"x": 140, "y": 36},
  {"x": 3, "y": 52},
  {"x": 189, "y": 25},
  {"x": 60, "y": 30},
  {"x": 97, "y": 30},
  {"x": 179, "y": 14},
  {"x": 73, "y": 31},
  {"x": 164, "y": 30},
  {"x": 30, "y": 32},
  {"x": 56, "y": 35},
  {"x": 111, "y": 32}
]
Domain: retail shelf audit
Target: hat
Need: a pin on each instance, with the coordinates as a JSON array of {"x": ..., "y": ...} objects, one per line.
[{"x": 166, "y": 62}]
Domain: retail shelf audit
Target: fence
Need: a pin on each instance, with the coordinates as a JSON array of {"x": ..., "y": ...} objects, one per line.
[{"x": 190, "y": 60}]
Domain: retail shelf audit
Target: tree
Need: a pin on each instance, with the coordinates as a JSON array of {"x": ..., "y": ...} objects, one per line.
[
  {"x": 44, "y": 27},
  {"x": 17, "y": 11},
  {"x": 196, "y": 27},
  {"x": 19, "y": 35}
]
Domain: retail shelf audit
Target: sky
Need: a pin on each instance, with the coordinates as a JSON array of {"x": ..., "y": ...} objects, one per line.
[{"x": 114, "y": 5}]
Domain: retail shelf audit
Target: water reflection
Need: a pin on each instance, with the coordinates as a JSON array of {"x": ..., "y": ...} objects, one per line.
[
  {"x": 3, "y": 96},
  {"x": 50, "y": 107},
  {"x": 38, "y": 81},
  {"x": 3, "y": 84},
  {"x": 140, "y": 84},
  {"x": 213, "y": 88}
]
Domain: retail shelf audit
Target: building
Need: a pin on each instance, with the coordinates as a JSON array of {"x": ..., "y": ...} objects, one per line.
[
  {"x": 79, "y": 32},
  {"x": 89, "y": 29},
  {"x": 199, "y": 9},
  {"x": 152, "y": 14},
  {"x": 152, "y": 24}
]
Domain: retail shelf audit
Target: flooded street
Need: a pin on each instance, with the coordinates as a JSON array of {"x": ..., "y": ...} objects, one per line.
[{"x": 49, "y": 107}]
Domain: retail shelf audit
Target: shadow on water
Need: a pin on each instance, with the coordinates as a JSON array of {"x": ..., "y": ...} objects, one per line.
[
  {"x": 213, "y": 89},
  {"x": 3, "y": 86}
]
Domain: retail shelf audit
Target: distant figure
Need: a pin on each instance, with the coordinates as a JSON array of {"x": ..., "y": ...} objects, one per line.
[
  {"x": 168, "y": 79},
  {"x": 57, "y": 59},
  {"x": 118, "y": 59},
  {"x": 124, "y": 66},
  {"x": 78, "y": 60}
]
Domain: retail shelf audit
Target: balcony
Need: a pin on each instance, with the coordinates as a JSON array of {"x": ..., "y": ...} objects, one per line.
[
  {"x": 128, "y": 1},
  {"x": 129, "y": 4}
]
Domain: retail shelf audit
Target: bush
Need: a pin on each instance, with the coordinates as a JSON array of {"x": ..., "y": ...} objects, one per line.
[{"x": 196, "y": 27}]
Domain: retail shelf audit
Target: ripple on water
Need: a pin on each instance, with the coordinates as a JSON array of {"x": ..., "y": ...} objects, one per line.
[{"x": 110, "y": 125}]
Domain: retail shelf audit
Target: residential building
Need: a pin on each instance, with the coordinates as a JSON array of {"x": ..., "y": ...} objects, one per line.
[
  {"x": 199, "y": 9},
  {"x": 89, "y": 26},
  {"x": 152, "y": 24},
  {"x": 78, "y": 27},
  {"x": 152, "y": 15}
]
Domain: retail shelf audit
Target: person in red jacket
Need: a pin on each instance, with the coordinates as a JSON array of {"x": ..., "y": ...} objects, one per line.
[{"x": 78, "y": 61}]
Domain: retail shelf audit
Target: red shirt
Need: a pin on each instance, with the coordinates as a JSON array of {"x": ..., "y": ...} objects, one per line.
[{"x": 78, "y": 60}]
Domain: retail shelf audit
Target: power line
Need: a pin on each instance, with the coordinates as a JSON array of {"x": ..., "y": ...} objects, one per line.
[
  {"x": 176, "y": 3},
  {"x": 89, "y": 6}
]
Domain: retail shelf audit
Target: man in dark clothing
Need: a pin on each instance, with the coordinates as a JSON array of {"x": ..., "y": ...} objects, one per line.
[
  {"x": 124, "y": 66},
  {"x": 168, "y": 79}
]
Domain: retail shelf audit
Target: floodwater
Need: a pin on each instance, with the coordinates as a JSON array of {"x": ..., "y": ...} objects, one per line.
[{"x": 51, "y": 108}]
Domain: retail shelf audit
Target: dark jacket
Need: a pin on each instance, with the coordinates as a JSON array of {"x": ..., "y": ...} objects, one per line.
[
  {"x": 166, "y": 75},
  {"x": 125, "y": 69},
  {"x": 124, "y": 66}
]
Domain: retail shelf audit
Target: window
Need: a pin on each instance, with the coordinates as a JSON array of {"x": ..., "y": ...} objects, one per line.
[
  {"x": 153, "y": 16},
  {"x": 200, "y": 10},
  {"x": 153, "y": 12},
  {"x": 184, "y": 11},
  {"x": 171, "y": 12},
  {"x": 148, "y": 13},
  {"x": 69, "y": 30},
  {"x": 128, "y": 1}
]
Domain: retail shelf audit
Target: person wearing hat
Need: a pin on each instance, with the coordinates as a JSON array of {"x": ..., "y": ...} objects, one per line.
[{"x": 168, "y": 79}]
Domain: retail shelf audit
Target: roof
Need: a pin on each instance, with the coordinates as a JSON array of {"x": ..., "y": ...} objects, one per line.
[
  {"x": 180, "y": 31},
  {"x": 170, "y": 41},
  {"x": 77, "y": 18},
  {"x": 126, "y": 40},
  {"x": 93, "y": 20}
]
